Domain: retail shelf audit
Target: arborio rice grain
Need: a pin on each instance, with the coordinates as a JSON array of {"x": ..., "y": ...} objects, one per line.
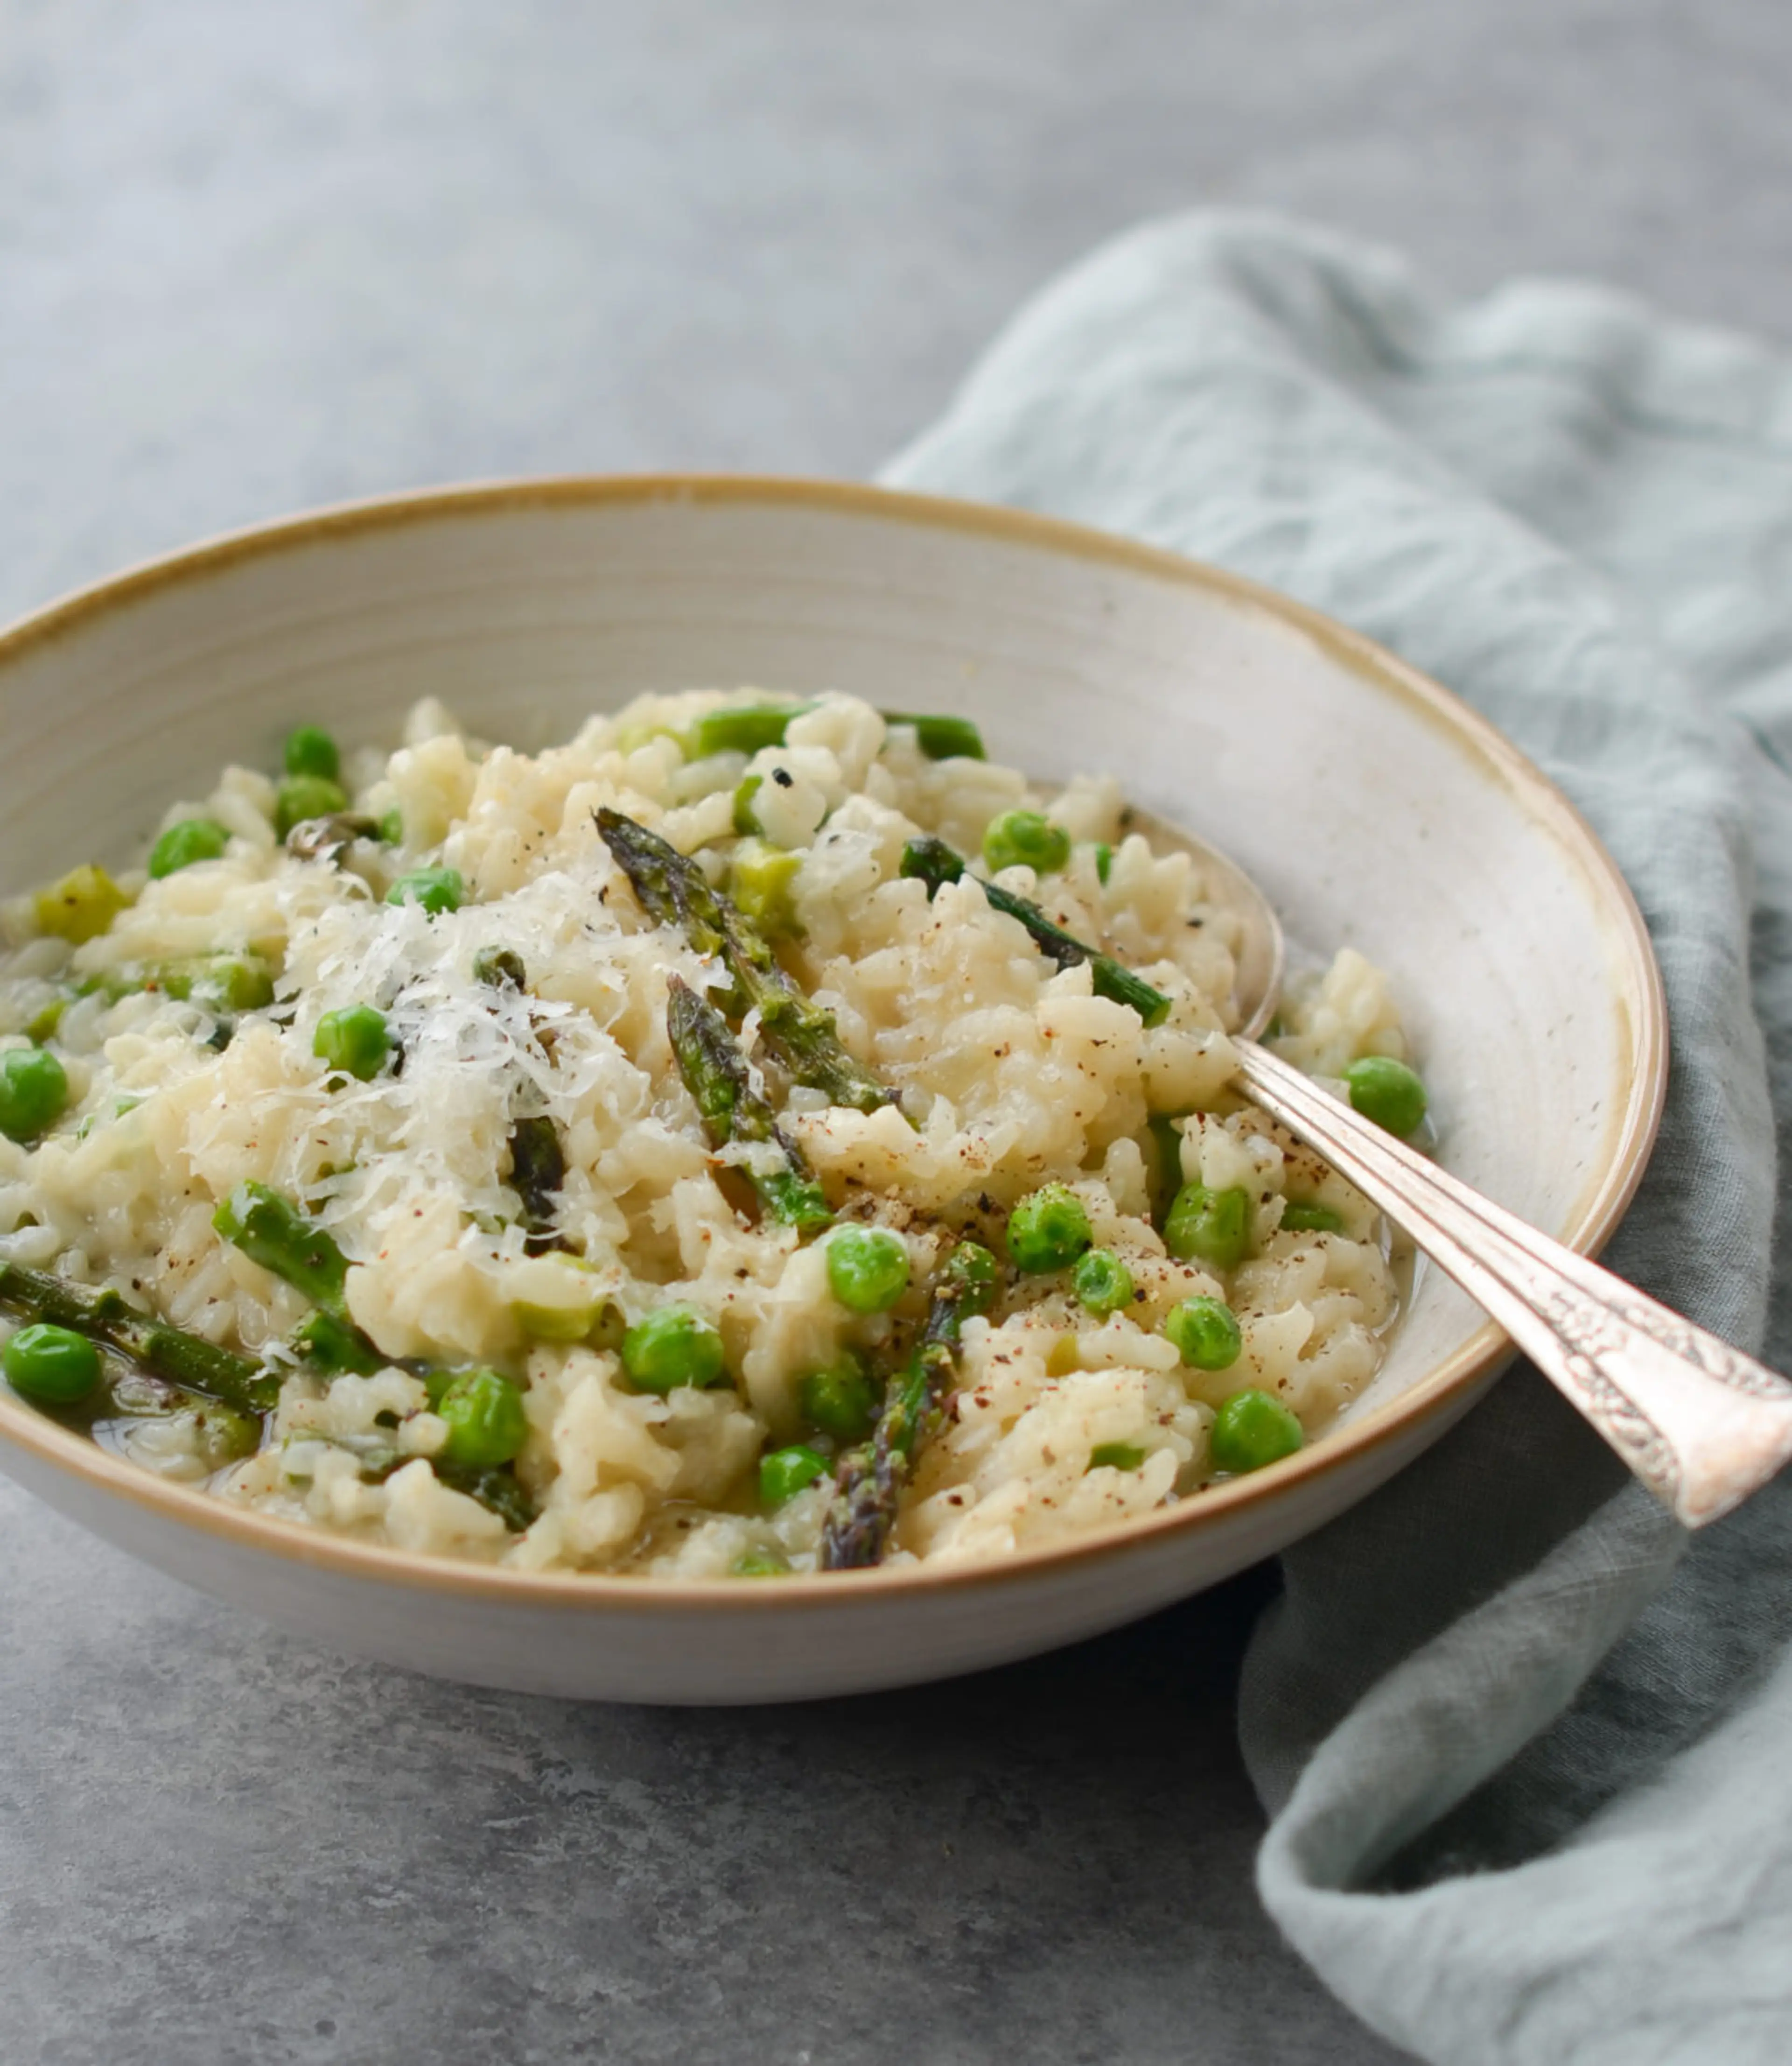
[{"x": 1012, "y": 1074}]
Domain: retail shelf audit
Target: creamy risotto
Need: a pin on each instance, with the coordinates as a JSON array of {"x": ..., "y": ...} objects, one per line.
[{"x": 757, "y": 1135}]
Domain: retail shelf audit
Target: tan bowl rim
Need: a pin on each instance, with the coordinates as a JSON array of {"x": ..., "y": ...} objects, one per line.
[{"x": 1630, "y": 1138}]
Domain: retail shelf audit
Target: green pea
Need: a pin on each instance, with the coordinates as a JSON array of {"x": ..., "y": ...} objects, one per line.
[
  {"x": 1205, "y": 1332},
  {"x": 1209, "y": 1227},
  {"x": 354, "y": 1039},
  {"x": 868, "y": 1269},
  {"x": 1104, "y": 861},
  {"x": 941, "y": 738},
  {"x": 193, "y": 838},
  {"x": 1116, "y": 1457},
  {"x": 745, "y": 728},
  {"x": 1387, "y": 1092},
  {"x": 1048, "y": 1229},
  {"x": 311, "y": 751},
  {"x": 303, "y": 797},
  {"x": 487, "y": 1423},
  {"x": 1026, "y": 839},
  {"x": 672, "y": 1346},
  {"x": 840, "y": 1401},
  {"x": 1102, "y": 1282},
  {"x": 784, "y": 1472},
  {"x": 1304, "y": 1216},
  {"x": 53, "y": 1365},
  {"x": 760, "y": 1562},
  {"x": 437, "y": 889},
  {"x": 391, "y": 829},
  {"x": 34, "y": 1092},
  {"x": 1252, "y": 1429}
]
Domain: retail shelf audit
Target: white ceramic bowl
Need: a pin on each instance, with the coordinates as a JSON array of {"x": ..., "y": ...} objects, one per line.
[{"x": 1374, "y": 808}]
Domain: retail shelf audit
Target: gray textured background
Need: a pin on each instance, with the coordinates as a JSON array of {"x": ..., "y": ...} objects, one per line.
[{"x": 253, "y": 256}]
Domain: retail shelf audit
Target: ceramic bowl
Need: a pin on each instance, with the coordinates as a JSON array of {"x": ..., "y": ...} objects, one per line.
[{"x": 1375, "y": 809}]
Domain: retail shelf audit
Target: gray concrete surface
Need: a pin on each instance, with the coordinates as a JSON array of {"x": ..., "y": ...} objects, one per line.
[{"x": 254, "y": 257}]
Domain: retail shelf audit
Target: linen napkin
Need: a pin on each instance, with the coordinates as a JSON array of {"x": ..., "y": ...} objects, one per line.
[{"x": 1527, "y": 1752}]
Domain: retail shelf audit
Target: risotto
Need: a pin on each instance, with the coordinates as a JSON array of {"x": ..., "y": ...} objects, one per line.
[{"x": 757, "y": 1135}]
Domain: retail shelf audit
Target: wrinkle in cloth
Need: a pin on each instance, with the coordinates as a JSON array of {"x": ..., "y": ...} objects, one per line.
[{"x": 1527, "y": 1750}]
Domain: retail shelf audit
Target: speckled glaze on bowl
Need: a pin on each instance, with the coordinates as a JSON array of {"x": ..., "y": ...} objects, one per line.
[{"x": 1374, "y": 808}]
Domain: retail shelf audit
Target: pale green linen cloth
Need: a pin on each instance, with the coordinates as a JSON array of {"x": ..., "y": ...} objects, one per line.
[{"x": 1528, "y": 1757}]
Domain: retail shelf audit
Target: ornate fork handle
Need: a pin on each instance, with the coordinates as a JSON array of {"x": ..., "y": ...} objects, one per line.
[{"x": 1701, "y": 1425}]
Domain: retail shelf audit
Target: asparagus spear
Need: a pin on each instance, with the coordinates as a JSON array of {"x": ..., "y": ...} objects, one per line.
[
  {"x": 934, "y": 862},
  {"x": 497, "y": 1488},
  {"x": 716, "y": 1074},
  {"x": 537, "y": 1160},
  {"x": 537, "y": 1171},
  {"x": 335, "y": 1345},
  {"x": 941, "y": 738},
  {"x": 221, "y": 1434},
  {"x": 186, "y": 1360},
  {"x": 870, "y": 1479},
  {"x": 270, "y": 1230},
  {"x": 739, "y": 728},
  {"x": 673, "y": 890}
]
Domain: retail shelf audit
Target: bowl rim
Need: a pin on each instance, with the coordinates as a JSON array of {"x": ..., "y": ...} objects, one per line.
[{"x": 1631, "y": 1125}]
